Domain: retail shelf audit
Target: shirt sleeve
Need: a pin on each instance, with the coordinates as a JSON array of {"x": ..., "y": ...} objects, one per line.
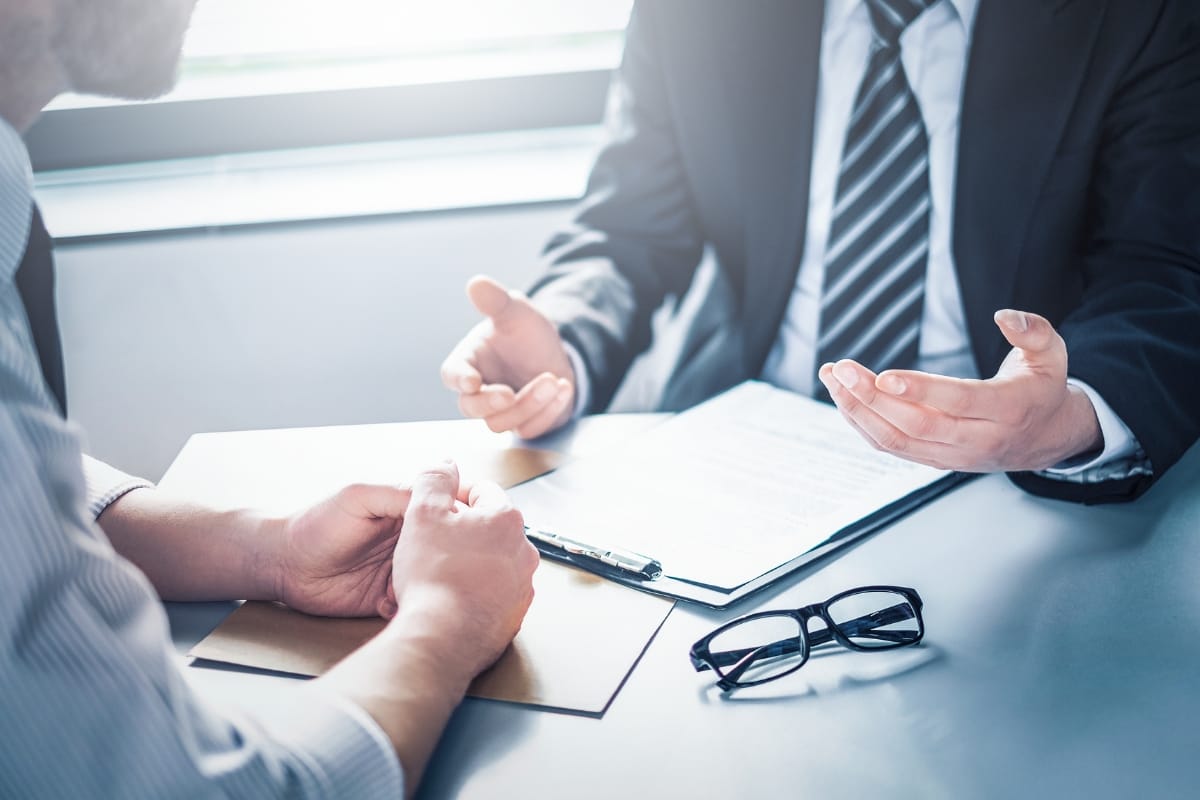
[
  {"x": 92, "y": 699},
  {"x": 1120, "y": 457},
  {"x": 583, "y": 385},
  {"x": 106, "y": 484}
]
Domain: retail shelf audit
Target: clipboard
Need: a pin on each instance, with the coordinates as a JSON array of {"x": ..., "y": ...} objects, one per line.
[
  {"x": 719, "y": 598},
  {"x": 761, "y": 536}
]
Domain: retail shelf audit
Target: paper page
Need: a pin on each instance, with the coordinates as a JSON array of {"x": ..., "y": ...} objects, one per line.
[{"x": 728, "y": 490}]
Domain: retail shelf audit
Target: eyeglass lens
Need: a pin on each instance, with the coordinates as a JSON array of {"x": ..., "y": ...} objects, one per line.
[
  {"x": 876, "y": 620},
  {"x": 768, "y": 647}
]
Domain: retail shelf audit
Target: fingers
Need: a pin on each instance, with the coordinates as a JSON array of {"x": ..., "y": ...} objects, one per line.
[
  {"x": 435, "y": 489},
  {"x": 551, "y": 415},
  {"x": 913, "y": 419},
  {"x": 546, "y": 391},
  {"x": 488, "y": 295},
  {"x": 1030, "y": 332},
  {"x": 388, "y": 606},
  {"x": 488, "y": 401},
  {"x": 494, "y": 502},
  {"x": 958, "y": 397},
  {"x": 377, "y": 501},
  {"x": 879, "y": 433},
  {"x": 502, "y": 306},
  {"x": 488, "y": 496},
  {"x": 459, "y": 374}
]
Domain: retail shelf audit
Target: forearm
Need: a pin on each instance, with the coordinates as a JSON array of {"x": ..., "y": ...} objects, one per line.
[
  {"x": 410, "y": 690},
  {"x": 193, "y": 553}
]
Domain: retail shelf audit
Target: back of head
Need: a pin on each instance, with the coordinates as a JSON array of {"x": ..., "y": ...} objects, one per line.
[{"x": 121, "y": 48}]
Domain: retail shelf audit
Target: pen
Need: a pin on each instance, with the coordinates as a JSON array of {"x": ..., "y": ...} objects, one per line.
[{"x": 623, "y": 560}]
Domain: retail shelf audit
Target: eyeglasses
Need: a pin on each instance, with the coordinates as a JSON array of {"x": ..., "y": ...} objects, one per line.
[{"x": 762, "y": 647}]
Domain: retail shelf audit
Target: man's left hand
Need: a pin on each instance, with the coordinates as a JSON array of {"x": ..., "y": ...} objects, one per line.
[
  {"x": 335, "y": 558},
  {"x": 1027, "y": 417}
]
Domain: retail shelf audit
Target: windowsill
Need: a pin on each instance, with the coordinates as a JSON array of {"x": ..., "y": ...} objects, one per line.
[
  {"x": 361, "y": 180},
  {"x": 584, "y": 52}
]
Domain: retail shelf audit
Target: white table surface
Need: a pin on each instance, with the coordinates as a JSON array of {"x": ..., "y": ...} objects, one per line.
[{"x": 1062, "y": 653}]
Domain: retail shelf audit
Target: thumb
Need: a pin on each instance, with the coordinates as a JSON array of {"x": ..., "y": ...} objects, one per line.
[
  {"x": 494, "y": 300},
  {"x": 1029, "y": 332},
  {"x": 378, "y": 501},
  {"x": 436, "y": 487}
]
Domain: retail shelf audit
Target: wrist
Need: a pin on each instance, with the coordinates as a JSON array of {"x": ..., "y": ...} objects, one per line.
[
  {"x": 1084, "y": 434},
  {"x": 268, "y": 550},
  {"x": 431, "y": 627},
  {"x": 429, "y": 651},
  {"x": 400, "y": 680}
]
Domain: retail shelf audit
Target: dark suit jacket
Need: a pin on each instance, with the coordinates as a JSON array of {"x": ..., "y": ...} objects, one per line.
[{"x": 1078, "y": 197}]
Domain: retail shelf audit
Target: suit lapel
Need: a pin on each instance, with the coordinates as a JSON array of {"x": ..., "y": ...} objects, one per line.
[
  {"x": 1027, "y": 63},
  {"x": 772, "y": 93}
]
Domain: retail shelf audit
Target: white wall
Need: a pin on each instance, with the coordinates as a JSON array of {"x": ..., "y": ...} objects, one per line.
[{"x": 332, "y": 323}]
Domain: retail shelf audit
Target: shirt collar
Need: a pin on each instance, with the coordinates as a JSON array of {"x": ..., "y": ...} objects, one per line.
[
  {"x": 837, "y": 12},
  {"x": 16, "y": 200}
]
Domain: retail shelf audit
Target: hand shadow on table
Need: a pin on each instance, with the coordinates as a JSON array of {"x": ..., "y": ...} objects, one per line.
[{"x": 830, "y": 672}]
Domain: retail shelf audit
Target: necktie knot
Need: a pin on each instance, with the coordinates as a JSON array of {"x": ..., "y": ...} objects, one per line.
[{"x": 890, "y": 18}]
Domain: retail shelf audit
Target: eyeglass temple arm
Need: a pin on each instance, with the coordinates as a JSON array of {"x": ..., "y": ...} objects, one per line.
[{"x": 862, "y": 627}]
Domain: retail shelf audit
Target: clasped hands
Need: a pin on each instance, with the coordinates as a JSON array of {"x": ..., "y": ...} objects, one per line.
[
  {"x": 456, "y": 552},
  {"x": 512, "y": 371}
]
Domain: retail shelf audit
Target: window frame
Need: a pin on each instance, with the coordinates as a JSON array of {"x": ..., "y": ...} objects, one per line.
[{"x": 106, "y": 135}]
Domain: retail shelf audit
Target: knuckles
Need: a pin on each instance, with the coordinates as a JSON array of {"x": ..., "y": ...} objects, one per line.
[{"x": 510, "y": 519}]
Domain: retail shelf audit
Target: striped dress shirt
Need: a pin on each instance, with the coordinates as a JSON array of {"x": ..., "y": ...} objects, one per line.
[{"x": 92, "y": 703}]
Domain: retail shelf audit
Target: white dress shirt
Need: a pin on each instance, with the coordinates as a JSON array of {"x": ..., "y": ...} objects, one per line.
[
  {"x": 934, "y": 51},
  {"x": 92, "y": 703}
]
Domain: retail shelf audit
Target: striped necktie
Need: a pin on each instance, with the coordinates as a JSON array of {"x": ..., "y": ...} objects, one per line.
[{"x": 873, "y": 292}]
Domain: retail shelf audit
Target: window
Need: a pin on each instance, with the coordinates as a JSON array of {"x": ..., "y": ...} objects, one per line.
[
  {"x": 280, "y": 74},
  {"x": 272, "y": 45}
]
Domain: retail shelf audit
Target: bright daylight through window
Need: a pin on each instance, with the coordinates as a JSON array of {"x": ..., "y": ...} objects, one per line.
[{"x": 238, "y": 48}]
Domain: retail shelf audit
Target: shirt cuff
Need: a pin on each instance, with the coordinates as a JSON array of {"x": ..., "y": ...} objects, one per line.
[
  {"x": 342, "y": 750},
  {"x": 106, "y": 484},
  {"x": 1119, "y": 441},
  {"x": 583, "y": 386}
]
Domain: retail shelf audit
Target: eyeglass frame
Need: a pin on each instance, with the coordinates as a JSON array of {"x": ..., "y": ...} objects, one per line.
[{"x": 703, "y": 658}]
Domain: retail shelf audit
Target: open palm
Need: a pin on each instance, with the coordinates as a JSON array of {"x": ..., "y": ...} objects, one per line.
[{"x": 511, "y": 369}]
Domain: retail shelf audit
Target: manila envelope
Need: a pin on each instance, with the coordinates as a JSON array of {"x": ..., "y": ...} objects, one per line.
[{"x": 580, "y": 640}]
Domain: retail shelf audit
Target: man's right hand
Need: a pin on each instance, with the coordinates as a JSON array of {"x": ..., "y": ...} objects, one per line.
[
  {"x": 463, "y": 577},
  {"x": 462, "y": 570},
  {"x": 512, "y": 369}
]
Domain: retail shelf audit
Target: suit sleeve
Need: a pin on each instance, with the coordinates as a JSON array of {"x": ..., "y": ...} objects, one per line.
[
  {"x": 1136, "y": 337},
  {"x": 634, "y": 239}
]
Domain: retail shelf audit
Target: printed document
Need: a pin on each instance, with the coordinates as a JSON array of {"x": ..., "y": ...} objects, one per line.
[{"x": 724, "y": 492}]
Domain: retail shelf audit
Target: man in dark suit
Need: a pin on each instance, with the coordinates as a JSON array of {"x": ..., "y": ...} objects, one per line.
[{"x": 882, "y": 182}]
